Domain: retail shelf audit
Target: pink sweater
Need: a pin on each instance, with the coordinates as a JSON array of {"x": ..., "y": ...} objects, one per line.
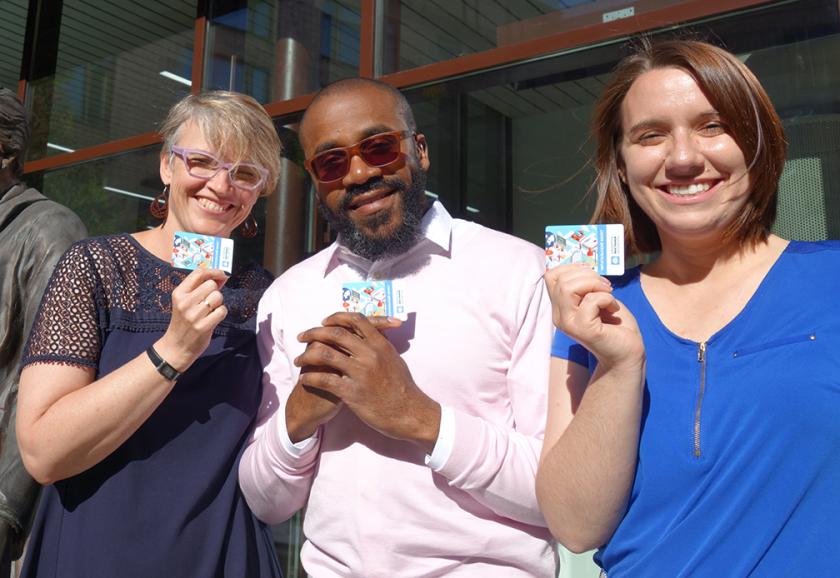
[{"x": 478, "y": 344}]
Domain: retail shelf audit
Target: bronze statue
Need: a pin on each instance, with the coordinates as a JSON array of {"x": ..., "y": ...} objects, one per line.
[{"x": 34, "y": 233}]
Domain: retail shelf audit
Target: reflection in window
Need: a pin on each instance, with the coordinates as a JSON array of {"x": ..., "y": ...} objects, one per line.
[
  {"x": 12, "y": 31},
  {"x": 421, "y": 32},
  {"x": 278, "y": 49},
  {"x": 519, "y": 158},
  {"x": 102, "y": 71},
  {"x": 110, "y": 195}
]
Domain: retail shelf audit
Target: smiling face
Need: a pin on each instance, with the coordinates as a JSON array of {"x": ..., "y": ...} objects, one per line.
[
  {"x": 209, "y": 207},
  {"x": 682, "y": 166},
  {"x": 376, "y": 210}
]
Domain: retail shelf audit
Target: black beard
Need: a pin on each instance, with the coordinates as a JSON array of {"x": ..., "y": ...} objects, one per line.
[{"x": 414, "y": 204}]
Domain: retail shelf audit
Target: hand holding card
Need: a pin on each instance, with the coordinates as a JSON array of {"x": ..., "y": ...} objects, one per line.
[
  {"x": 193, "y": 251},
  {"x": 601, "y": 246},
  {"x": 374, "y": 299}
]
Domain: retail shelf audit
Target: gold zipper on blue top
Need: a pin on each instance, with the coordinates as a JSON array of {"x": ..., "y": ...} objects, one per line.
[{"x": 701, "y": 358}]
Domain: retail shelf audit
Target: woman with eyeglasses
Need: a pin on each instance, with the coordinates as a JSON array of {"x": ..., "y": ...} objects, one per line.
[{"x": 141, "y": 381}]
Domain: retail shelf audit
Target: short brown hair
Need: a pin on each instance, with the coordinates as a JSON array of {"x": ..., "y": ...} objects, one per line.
[
  {"x": 740, "y": 100},
  {"x": 235, "y": 124}
]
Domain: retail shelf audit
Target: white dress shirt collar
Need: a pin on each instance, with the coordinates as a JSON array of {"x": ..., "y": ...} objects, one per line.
[{"x": 435, "y": 229}]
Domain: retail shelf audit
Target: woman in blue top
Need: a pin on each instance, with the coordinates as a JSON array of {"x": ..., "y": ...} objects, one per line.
[
  {"x": 141, "y": 382},
  {"x": 708, "y": 417}
]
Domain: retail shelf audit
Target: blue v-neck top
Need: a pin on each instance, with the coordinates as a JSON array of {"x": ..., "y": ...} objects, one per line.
[{"x": 739, "y": 454}]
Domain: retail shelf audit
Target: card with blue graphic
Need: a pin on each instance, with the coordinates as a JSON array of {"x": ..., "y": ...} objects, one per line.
[
  {"x": 374, "y": 299},
  {"x": 601, "y": 246},
  {"x": 191, "y": 251}
]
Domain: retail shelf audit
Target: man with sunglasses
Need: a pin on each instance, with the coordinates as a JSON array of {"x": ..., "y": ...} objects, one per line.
[
  {"x": 34, "y": 233},
  {"x": 413, "y": 445}
]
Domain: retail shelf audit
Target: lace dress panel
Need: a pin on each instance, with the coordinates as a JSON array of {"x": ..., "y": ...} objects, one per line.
[{"x": 66, "y": 329}]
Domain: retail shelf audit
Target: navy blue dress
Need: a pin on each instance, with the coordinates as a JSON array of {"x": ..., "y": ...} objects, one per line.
[{"x": 166, "y": 502}]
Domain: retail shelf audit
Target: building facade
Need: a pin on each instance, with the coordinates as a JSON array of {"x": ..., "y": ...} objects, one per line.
[{"x": 502, "y": 89}]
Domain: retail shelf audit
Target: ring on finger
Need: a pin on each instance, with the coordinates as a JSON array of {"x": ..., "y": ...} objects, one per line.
[{"x": 205, "y": 302}]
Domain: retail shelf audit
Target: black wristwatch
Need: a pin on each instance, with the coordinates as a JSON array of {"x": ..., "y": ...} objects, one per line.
[{"x": 160, "y": 364}]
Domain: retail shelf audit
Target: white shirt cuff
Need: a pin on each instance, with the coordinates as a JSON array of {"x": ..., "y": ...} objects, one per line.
[
  {"x": 445, "y": 440},
  {"x": 295, "y": 449}
]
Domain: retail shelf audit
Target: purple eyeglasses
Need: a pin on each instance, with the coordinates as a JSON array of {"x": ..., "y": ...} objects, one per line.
[{"x": 204, "y": 165}]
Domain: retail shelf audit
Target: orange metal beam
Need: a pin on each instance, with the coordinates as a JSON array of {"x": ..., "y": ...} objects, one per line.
[
  {"x": 293, "y": 105},
  {"x": 21, "y": 92},
  {"x": 684, "y": 12},
  {"x": 198, "y": 54},
  {"x": 366, "y": 38},
  {"x": 96, "y": 151}
]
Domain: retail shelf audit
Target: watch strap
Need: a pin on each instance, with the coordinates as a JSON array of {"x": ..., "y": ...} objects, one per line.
[{"x": 160, "y": 364}]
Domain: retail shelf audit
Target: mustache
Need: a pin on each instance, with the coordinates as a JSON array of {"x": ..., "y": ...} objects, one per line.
[{"x": 374, "y": 184}]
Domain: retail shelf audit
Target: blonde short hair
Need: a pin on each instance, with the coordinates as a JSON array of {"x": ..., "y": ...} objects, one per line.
[{"x": 234, "y": 124}]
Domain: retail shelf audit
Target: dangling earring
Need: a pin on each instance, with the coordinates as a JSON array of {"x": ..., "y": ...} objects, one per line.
[
  {"x": 249, "y": 228},
  {"x": 159, "y": 207}
]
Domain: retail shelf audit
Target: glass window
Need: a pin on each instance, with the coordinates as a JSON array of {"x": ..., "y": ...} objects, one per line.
[
  {"x": 110, "y": 195},
  {"x": 288, "y": 538},
  {"x": 104, "y": 71},
  {"x": 804, "y": 84},
  {"x": 12, "y": 32},
  {"x": 278, "y": 49},
  {"x": 421, "y": 32},
  {"x": 511, "y": 148}
]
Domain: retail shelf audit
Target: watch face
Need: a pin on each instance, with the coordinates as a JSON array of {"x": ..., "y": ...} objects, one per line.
[
  {"x": 162, "y": 367},
  {"x": 168, "y": 371}
]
